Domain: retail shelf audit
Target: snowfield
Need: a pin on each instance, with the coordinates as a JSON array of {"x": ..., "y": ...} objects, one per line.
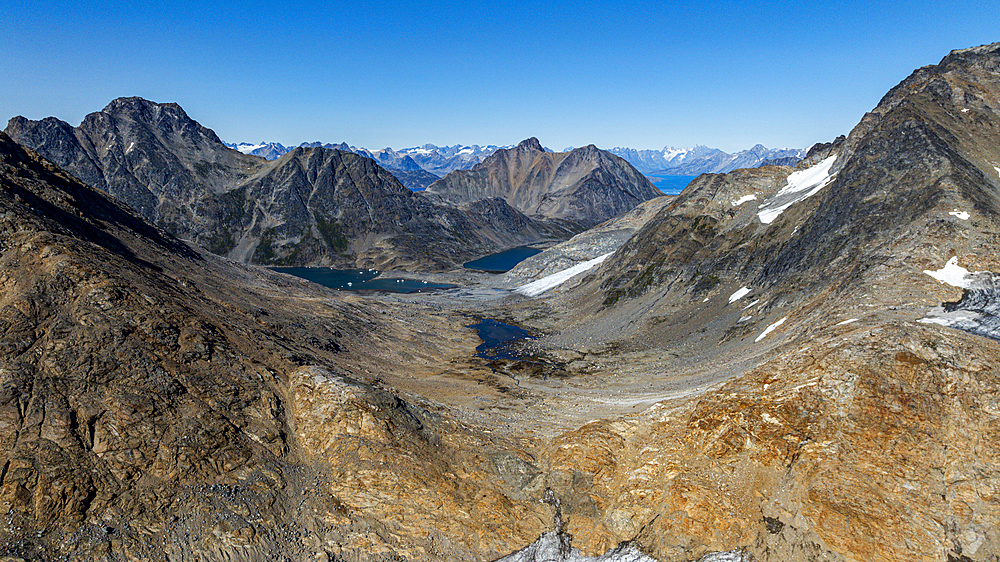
[
  {"x": 538, "y": 287},
  {"x": 952, "y": 274},
  {"x": 739, "y": 294},
  {"x": 801, "y": 185},
  {"x": 770, "y": 329}
]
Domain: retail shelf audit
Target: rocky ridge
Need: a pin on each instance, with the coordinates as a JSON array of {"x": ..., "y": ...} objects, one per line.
[
  {"x": 811, "y": 416},
  {"x": 309, "y": 207},
  {"x": 747, "y": 376},
  {"x": 583, "y": 187},
  {"x": 161, "y": 401}
]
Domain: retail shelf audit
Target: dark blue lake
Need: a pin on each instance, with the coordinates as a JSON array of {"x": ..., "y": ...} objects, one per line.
[
  {"x": 503, "y": 261},
  {"x": 671, "y": 185},
  {"x": 497, "y": 339},
  {"x": 359, "y": 280}
]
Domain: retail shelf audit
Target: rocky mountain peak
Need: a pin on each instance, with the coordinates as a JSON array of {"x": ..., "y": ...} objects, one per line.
[{"x": 530, "y": 144}]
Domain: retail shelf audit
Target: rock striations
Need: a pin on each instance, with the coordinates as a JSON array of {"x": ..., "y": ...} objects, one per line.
[
  {"x": 157, "y": 402},
  {"x": 817, "y": 416},
  {"x": 583, "y": 187},
  {"x": 752, "y": 375}
]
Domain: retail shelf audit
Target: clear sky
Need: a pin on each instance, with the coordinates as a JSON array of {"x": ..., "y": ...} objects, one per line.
[{"x": 401, "y": 74}]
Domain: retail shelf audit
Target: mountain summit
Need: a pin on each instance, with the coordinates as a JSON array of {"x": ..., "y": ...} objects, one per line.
[
  {"x": 312, "y": 206},
  {"x": 585, "y": 186}
]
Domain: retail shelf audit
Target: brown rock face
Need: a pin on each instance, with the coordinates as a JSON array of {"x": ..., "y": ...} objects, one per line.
[
  {"x": 159, "y": 402},
  {"x": 312, "y": 206},
  {"x": 584, "y": 187},
  {"x": 156, "y": 401}
]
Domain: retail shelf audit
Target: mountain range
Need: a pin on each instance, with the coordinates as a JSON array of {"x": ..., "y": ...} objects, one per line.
[
  {"x": 311, "y": 206},
  {"x": 781, "y": 364},
  {"x": 437, "y": 161},
  {"x": 585, "y": 186}
]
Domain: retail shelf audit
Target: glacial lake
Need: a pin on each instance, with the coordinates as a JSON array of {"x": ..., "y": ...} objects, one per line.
[
  {"x": 497, "y": 339},
  {"x": 360, "y": 280},
  {"x": 503, "y": 261},
  {"x": 671, "y": 185}
]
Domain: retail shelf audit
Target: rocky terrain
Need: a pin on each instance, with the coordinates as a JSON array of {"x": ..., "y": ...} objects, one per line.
[
  {"x": 583, "y": 187},
  {"x": 751, "y": 375},
  {"x": 802, "y": 293},
  {"x": 602, "y": 239},
  {"x": 312, "y": 206}
]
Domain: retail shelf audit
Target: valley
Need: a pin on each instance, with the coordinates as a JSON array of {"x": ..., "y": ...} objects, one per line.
[{"x": 780, "y": 363}]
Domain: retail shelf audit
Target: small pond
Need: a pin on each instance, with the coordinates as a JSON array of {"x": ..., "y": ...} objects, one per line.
[
  {"x": 498, "y": 339},
  {"x": 503, "y": 261},
  {"x": 360, "y": 280}
]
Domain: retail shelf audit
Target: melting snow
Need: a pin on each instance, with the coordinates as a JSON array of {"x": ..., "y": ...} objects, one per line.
[
  {"x": 769, "y": 329},
  {"x": 538, "y": 287},
  {"x": 952, "y": 274},
  {"x": 801, "y": 185},
  {"x": 744, "y": 199},
  {"x": 553, "y": 547},
  {"x": 960, "y": 214},
  {"x": 739, "y": 294}
]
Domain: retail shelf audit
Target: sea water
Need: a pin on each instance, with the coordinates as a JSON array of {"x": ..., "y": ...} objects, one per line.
[{"x": 671, "y": 185}]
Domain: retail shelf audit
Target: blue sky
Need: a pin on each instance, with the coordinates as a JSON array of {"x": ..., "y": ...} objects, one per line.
[{"x": 400, "y": 74}]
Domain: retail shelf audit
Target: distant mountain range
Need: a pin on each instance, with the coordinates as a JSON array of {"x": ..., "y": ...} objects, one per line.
[
  {"x": 704, "y": 160},
  {"x": 418, "y": 167}
]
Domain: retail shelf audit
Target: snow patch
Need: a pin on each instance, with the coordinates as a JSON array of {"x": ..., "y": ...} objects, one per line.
[
  {"x": 964, "y": 215},
  {"x": 845, "y": 322},
  {"x": 538, "y": 287},
  {"x": 739, "y": 294},
  {"x": 743, "y": 200},
  {"x": 997, "y": 169},
  {"x": 952, "y": 274},
  {"x": 744, "y": 319},
  {"x": 770, "y": 329},
  {"x": 556, "y": 547},
  {"x": 801, "y": 185},
  {"x": 751, "y": 304}
]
